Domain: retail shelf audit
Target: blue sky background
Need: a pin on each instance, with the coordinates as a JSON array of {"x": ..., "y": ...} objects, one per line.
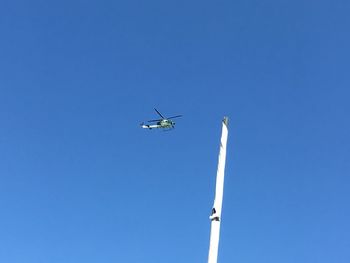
[{"x": 81, "y": 182}]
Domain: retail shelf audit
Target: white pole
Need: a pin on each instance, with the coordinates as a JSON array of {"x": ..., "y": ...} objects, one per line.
[{"x": 215, "y": 216}]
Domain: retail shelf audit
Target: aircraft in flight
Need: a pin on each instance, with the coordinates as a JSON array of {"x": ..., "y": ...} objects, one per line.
[{"x": 163, "y": 123}]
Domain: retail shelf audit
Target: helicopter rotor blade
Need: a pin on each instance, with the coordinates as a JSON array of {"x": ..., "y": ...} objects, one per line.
[
  {"x": 173, "y": 117},
  {"x": 154, "y": 120},
  {"x": 159, "y": 113}
]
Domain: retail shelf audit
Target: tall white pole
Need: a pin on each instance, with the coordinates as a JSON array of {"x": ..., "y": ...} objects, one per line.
[{"x": 215, "y": 216}]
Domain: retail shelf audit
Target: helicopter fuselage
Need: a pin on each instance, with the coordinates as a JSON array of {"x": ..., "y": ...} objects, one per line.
[
  {"x": 165, "y": 123},
  {"x": 160, "y": 124}
]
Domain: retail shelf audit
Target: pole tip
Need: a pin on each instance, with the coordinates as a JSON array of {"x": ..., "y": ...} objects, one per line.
[{"x": 225, "y": 120}]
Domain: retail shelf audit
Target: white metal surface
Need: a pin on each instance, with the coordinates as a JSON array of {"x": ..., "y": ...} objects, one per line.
[
  {"x": 215, "y": 216},
  {"x": 153, "y": 126}
]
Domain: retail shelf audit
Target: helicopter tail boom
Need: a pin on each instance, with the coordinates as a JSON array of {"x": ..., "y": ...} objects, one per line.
[{"x": 147, "y": 126}]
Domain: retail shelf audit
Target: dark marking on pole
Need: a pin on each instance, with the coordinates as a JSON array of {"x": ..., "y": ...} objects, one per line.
[{"x": 225, "y": 120}]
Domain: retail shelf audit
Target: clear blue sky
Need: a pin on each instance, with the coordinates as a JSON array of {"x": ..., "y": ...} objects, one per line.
[{"x": 80, "y": 181}]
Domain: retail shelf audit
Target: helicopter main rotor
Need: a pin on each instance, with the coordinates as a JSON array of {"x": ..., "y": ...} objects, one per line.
[{"x": 164, "y": 118}]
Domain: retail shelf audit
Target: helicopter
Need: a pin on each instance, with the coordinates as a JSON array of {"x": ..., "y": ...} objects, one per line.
[{"x": 163, "y": 123}]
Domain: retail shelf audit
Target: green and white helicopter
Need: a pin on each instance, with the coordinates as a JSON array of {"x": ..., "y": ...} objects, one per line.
[{"x": 163, "y": 123}]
